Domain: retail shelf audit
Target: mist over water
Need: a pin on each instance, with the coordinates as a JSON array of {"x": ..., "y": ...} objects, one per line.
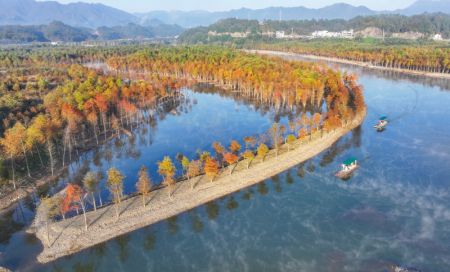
[{"x": 394, "y": 210}]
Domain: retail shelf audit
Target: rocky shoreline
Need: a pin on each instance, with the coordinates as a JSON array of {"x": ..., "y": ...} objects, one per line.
[{"x": 68, "y": 237}]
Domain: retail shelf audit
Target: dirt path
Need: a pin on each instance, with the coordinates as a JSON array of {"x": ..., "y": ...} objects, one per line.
[
  {"x": 357, "y": 63},
  {"x": 68, "y": 237}
]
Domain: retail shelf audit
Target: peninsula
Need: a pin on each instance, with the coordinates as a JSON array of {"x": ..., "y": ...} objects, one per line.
[{"x": 68, "y": 236}]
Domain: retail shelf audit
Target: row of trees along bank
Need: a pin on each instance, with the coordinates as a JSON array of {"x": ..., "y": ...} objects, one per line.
[{"x": 90, "y": 105}]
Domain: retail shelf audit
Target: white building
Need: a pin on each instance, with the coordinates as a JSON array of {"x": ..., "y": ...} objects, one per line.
[
  {"x": 279, "y": 34},
  {"x": 347, "y": 34},
  {"x": 438, "y": 37}
]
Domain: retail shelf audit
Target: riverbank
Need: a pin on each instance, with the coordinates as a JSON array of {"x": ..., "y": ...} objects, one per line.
[
  {"x": 26, "y": 186},
  {"x": 68, "y": 237},
  {"x": 351, "y": 62}
]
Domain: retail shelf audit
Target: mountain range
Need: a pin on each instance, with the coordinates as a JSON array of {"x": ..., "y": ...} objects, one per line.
[
  {"x": 32, "y": 12},
  {"x": 59, "y": 32},
  {"x": 196, "y": 18},
  {"x": 190, "y": 19}
]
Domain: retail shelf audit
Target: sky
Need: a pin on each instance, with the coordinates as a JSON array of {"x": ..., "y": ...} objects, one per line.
[{"x": 214, "y": 5}]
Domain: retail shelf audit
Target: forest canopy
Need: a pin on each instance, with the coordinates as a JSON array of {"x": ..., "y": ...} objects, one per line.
[{"x": 53, "y": 106}]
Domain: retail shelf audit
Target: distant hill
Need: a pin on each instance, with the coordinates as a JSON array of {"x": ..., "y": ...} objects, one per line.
[
  {"x": 430, "y": 6},
  {"x": 204, "y": 18},
  {"x": 134, "y": 31},
  {"x": 337, "y": 11},
  {"x": 31, "y": 12},
  {"x": 55, "y": 31},
  {"x": 60, "y": 32},
  {"x": 428, "y": 24}
]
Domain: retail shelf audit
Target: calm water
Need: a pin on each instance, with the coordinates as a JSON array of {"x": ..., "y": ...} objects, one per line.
[{"x": 395, "y": 210}]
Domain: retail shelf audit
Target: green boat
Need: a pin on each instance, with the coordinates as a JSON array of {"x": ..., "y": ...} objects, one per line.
[
  {"x": 382, "y": 123},
  {"x": 348, "y": 167}
]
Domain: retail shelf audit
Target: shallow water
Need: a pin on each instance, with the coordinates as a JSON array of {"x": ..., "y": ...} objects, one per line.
[{"x": 395, "y": 210}]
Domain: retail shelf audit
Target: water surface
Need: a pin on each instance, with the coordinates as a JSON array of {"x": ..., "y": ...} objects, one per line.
[{"x": 395, "y": 210}]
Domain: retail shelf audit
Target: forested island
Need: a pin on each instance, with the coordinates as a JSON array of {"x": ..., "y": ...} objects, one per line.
[{"x": 56, "y": 107}]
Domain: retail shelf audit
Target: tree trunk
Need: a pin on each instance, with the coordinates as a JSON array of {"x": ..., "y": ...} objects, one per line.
[
  {"x": 117, "y": 211},
  {"x": 26, "y": 160},
  {"x": 95, "y": 133},
  {"x": 100, "y": 198},
  {"x": 13, "y": 172},
  {"x": 48, "y": 232},
  {"x": 39, "y": 155},
  {"x": 93, "y": 201},
  {"x": 83, "y": 207},
  {"x": 64, "y": 153},
  {"x": 170, "y": 191},
  {"x": 50, "y": 154},
  {"x": 104, "y": 124}
]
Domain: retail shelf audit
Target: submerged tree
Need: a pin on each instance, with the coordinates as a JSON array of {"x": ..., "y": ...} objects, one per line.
[
  {"x": 90, "y": 182},
  {"x": 276, "y": 134},
  {"x": 262, "y": 151},
  {"x": 185, "y": 165},
  {"x": 219, "y": 150},
  {"x": 11, "y": 146},
  {"x": 167, "y": 170},
  {"x": 78, "y": 196},
  {"x": 235, "y": 147},
  {"x": 115, "y": 186},
  {"x": 250, "y": 142},
  {"x": 249, "y": 156},
  {"x": 194, "y": 169},
  {"x": 211, "y": 169},
  {"x": 290, "y": 140},
  {"x": 231, "y": 159},
  {"x": 143, "y": 184},
  {"x": 51, "y": 209}
]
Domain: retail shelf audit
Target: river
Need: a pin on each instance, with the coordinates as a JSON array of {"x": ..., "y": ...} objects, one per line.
[{"x": 394, "y": 210}]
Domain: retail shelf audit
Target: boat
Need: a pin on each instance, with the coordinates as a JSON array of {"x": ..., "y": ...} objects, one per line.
[
  {"x": 382, "y": 123},
  {"x": 348, "y": 167},
  {"x": 396, "y": 268}
]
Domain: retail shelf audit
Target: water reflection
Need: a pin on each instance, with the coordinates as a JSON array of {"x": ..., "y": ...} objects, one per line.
[
  {"x": 442, "y": 83},
  {"x": 262, "y": 188},
  {"x": 149, "y": 242},
  {"x": 10, "y": 222},
  {"x": 212, "y": 209},
  {"x": 172, "y": 225},
  {"x": 276, "y": 181},
  {"x": 232, "y": 203},
  {"x": 394, "y": 211},
  {"x": 289, "y": 178},
  {"x": 85, "y": 267}
]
